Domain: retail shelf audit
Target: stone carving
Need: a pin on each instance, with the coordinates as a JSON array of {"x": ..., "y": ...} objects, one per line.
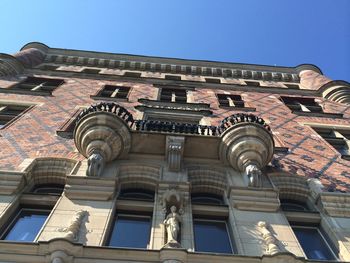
[
  {"x": 172, "y": 225},
  {"x": 58, "y": 257},
  {"x": 254, "y": 175},
  {"x": 172, "y": 197},
  {"x": 102, "y": 134},
  {"x": 247, "y": 145},
  {"x": 175, "y": 149},
  {"x": 72, "y": 231},
  {"x": 270, "y": 240},
  {"x": 96, "y": 165}
]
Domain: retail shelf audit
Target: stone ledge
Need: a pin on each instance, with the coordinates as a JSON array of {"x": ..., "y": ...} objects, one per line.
[
  {"x": 11, "y": 182},
  {"x": 336, "y": 204}
]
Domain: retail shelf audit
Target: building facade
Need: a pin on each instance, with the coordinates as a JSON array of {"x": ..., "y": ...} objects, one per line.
[{"x": 121, "y": 158}]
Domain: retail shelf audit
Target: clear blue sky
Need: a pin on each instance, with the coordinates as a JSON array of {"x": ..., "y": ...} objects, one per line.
[{"x": 273, "y": 32}]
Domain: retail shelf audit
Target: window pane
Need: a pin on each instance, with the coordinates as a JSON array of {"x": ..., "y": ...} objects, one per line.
[
  {"x": 211, "y": 236},
  {"x": 27, "y": 225},
  {"x": 313, "y": 244},
  {"x": 131, "y": 231}
]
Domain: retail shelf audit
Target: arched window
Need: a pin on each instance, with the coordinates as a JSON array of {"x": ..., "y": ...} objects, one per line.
[
  {"x": 51, "y": 189},
  {"x": 293, "y": 205},
  {"x": 136, "y": 194},
  {"x": 206, "y": 199}
]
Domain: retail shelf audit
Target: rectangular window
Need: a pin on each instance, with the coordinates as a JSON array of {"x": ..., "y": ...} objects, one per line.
[
  {"x": 114, "y": 92},
  {"x": 252, "y": 83},
  {"x": 26, "y": 225},
  {"x": 314, "y": 243},
  {"x": 173, "y": 95},
  {"x": 212, "y": 80},
  {"x": 9, "y": 112},
  {"x": 34, "y": 84},
  {"x": 338, "y": 138},
  {"x": 131, "y": 231},
  {"x": 91, "y": 71},
  {"x": 132, "y": 74},
  {"x": 297, "y": 104},
  {"x": 211, "y": 236},
  {"x": 228, "y": 100}
]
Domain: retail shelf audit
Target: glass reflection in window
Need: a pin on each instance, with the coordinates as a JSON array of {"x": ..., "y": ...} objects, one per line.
[
  {"x": 313, "y": 243},
  {"x": 136, "y": 194},
  {"x": 206, "y": 199},
  {"x": 211, "y": 236},
  {"x": 131, "y": 231},
  {"x": 26, "y": 225}
]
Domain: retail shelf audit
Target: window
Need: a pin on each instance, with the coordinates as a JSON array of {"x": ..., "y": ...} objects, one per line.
[
  {"x": 131, "y": 231},
  {"x": 9, "y": 112},
  {"x": 172, "y": 77},
  {"x": 113, "y": 92},
  {"x": 212, "y": 80},
  {"x": 38, "y": 85},
  {"x": 219, "y": 241},
  {"x": 48, "y": 67},
  {"x": 173, "y": 95},
  {"x": 26, "y": 225},
  {"x": 206, "y": 199},
  {"x": 229, "y": 100},
  {"x": 314, "y": 243},
  {"x": 50, "y": 189},
  {"x": 293, "y": 205},
  {"x": 132, "y": 74},
  {"x": 292, "y": 86},
  {"x": 338, "y": 138},
  {"x": 133, "y": 219},
  {"x": 252, "y": 83},
  {"x": 296, "y": 104},
  {"x": 91, "y": 71},
  {"x": 207, "y": 223}
]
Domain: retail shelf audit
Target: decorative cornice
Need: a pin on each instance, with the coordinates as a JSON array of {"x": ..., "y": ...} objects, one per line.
[
  {"x": 10, "y": 66},
  {"x": 312, "y": 67},
  {"x": 337, "y": 91}
]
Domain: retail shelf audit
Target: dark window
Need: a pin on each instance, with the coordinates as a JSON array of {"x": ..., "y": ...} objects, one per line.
[
  {"x": 51, "y": 189},
  {"x": 297, "y": 104},
  {"x": 26, "y": 225},
  {"x": 10, "y": 112},
  {"x": 292, "y": 86},
  {"x": 252, "y": 83},
  {"x": 131, "y": 231},
  {"x": 228, "y": 100},
  {"x": 172, "y": 77},
  {"x": 211, "y": 236},
  {"x": 48, "y": 67},
  {"x": 338, "y": 138},
  {"x": 132, "y": 74},
  {"x": 173, "y": 95},
  {"x": 91, "y": 71},
  {"x": 212, "y": 80},
  {"x": 206, "y": 199},
  {"x": 136, "y": 194},
  {"x": 38, "y": 84},
  {"x": 292, "y": 205},
  {"x": 313, "y": 243},
  {"x": 117, "y": 92}
]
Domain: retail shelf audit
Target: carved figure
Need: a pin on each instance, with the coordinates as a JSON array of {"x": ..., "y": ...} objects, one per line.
[
  {"x": 72, "y": 231},
  {"x": 254, "y": 175},
  {"x": 270, "y": 240},
  {"x": 172, "y": 224},
  {"x": 95, "y": 165}
]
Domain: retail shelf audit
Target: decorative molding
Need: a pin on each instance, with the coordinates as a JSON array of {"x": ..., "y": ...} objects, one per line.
[
  {"x": 264, "y": 200},
  {"x": 59, "y": 256},
  {"x": 247, "y": 145},
  {"x": 11, "y": 182},
  {"x": 174, "y": 152},
  {"x": 337, "y": 91},
  {"x": 270, "y": 240},
  {"x": 10, "y": 66},
  {"x": 336, "y": 204},
  {"x": 102, "y": 135},
  {"x": 173, "y": 197},
  {"x": 72, "y": 231}
]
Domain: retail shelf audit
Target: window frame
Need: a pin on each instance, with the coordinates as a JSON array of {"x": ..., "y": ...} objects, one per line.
[
  {"x": 98, "y": 94},
  {"x": 15, "y": 118},
  {"x": 233, "y": 107},
  {"x": 16, "y": 87},
  {"x": 13, "y": 218}
]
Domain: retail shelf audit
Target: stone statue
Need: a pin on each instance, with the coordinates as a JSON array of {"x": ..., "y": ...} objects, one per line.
[
  {"x": 172, "y": 224},
  {"x": 95, "y": 165},
  {"x": 254, "y": 175}
]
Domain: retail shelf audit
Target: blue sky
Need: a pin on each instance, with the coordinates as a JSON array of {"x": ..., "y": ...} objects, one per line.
[{"x": 273, "y": 32}]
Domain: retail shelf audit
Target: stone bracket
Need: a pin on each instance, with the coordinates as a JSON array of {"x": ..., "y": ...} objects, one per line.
[{"x": 174, "y": 152}]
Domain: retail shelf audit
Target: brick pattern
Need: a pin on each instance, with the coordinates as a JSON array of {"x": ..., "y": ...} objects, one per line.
[{"x": 34, "y": 134}]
